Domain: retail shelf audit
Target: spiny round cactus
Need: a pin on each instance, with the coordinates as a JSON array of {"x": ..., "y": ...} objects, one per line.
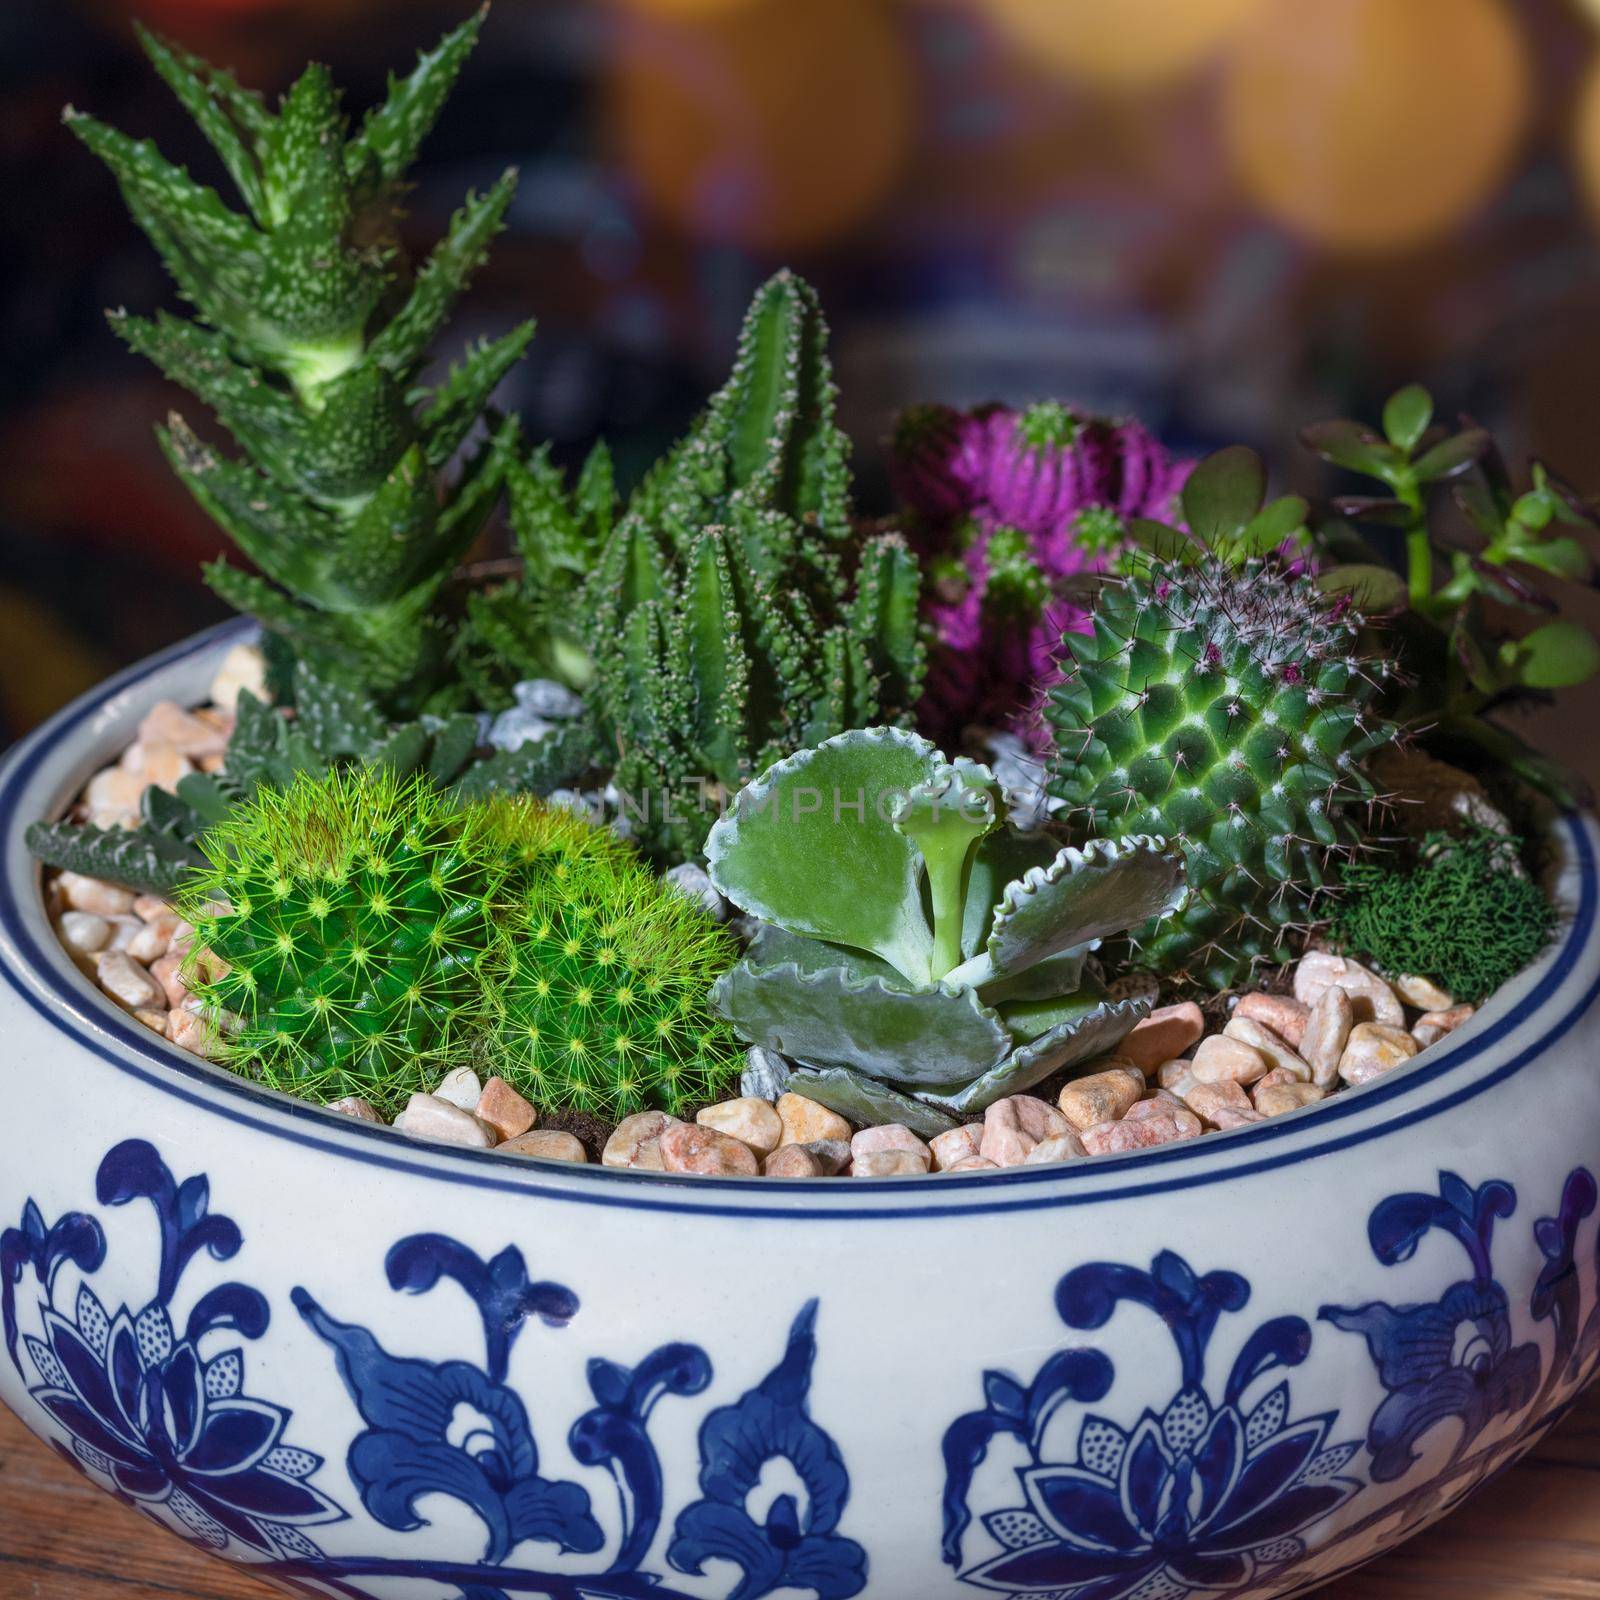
[
  {"x": 536, "y": 840},
  {"x": 1228, "y": 710},
  {"x": 598, "y": 995},
  {"x": 344, "y": 923}
]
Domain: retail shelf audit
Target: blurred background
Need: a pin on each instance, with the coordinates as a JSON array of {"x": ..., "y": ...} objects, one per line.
[{"x": 1231, "y": 217}]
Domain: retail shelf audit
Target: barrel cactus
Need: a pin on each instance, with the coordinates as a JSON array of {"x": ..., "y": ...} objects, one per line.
[
  {"x": 918, "y": 956},
  {"x": 1225, "y": 704}
]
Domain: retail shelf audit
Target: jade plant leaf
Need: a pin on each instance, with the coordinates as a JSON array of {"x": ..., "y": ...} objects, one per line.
[
  {"x": 934, "y": 1035},
  {"x": 812, "y": 845},
  {"x": 1080, "y": 897},
  {"x": 867, "y": 1102}
]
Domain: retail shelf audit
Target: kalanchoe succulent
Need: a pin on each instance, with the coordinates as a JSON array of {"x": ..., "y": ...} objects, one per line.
[
  {"x": 1465, "y": 665},
  {"x": 310, "y": 352},
  {"x": 597, "y": 998},
  {"x": 1226, "y": 707},
  {"x": 340, "y": 933},
  {"x": 1012, "y": 509},
  {"x": 735, "y": 612},
  {"x": 918, "y": 956}
]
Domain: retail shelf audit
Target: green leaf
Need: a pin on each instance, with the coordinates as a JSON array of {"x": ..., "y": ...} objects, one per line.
[
  {"x": 1223, "y": 494},
  {"x": 1373, "y": 590},
  {"x": 1165, "y": 543},
  {"x": 1453, "y": 456},
  {"x": 1353, "y": 447},
  {"x": 863, "y": 1100},
  {"x": 836, "y": 1017},
  {"x": 135, "y": 858},
  {"x": 1275, "y": 523},
  {"x": 1407, "y": 415},
  {"x": 811, "y": 845},
  {"x": 1557, "y": 656},
  {"x": 454, "y": 408},
  {"x": 1561, "y": 558}
]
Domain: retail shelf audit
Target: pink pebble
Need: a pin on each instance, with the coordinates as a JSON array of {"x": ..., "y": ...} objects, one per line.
[{"x": 1164, "y": 1035}]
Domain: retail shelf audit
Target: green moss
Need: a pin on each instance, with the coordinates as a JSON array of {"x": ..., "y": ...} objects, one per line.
[{"x": 1461, "y": 914}]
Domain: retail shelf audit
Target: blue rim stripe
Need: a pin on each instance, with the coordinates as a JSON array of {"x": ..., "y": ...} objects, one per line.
[{"x": 165, "y": 1068}]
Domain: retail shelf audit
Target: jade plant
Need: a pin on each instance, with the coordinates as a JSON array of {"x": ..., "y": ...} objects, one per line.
[
  {"x": 309, "y": 338},
  {"x": 1226, "y": 706},
  {"x": 735, "y": 613},
  {"x": 918, "y": 956}
]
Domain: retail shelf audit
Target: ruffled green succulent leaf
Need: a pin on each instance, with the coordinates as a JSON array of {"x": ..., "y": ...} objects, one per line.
[
  {"x": 1001, "y": 858},
  {"x": 1082, "y": 896},
  {"x": 135, "y": 858},
  {"x": 832, "y": 1016},
  {"x": 868, "y": 1102},
  {"x": 1045, "y": 981},
  {"x": 1099, "y": 1026},
  {"x": 810, "y": 846},
  {"x": 772, "y": 946}
]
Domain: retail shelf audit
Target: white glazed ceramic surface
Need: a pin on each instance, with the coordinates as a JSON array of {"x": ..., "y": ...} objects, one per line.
[{"x": 1237, "y": 1366}]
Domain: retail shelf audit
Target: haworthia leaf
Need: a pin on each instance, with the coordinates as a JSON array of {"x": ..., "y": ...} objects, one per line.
[{"x": 135, "y": 858}]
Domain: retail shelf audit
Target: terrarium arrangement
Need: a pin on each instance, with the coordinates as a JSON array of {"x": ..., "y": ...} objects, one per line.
[{"x": 1109, "y": 802}]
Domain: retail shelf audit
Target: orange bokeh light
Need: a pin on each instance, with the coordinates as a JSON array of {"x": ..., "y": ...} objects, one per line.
[
  {"x": 776, "y": 126},
  {"x": 1373, "y": 125},
  {"x": 1126, "y": 44}
]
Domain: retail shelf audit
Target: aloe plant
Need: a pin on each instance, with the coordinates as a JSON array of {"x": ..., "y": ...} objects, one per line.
[{"x": 916, "y": 954}]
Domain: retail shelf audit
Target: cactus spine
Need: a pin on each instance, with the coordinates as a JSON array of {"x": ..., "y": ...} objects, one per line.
[{"x": 1225, "y": 708}]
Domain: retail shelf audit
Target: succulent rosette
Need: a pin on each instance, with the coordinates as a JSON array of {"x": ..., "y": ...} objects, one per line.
[{"x": 920, "y": 957}]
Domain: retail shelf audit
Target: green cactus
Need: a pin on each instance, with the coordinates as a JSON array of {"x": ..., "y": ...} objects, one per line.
[
  {"x": 340, "y": 933},
  {"x": 1224, "y": 705},
  {"x": 735, "y": 612},
  {"x": 310, "y": 353},
  {"x": 920, "y": 957},
  {"x": 598, "y": 997}
]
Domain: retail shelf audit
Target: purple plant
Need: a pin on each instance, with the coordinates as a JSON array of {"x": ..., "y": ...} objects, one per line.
[{"x": 1011, "y": 509}]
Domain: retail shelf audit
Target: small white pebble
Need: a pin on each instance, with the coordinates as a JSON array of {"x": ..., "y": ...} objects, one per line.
[
  {"x": 95, "y": 895},
  {"x": 460, "y": 1089},
  {"x": 127, "y": 982},
  {"x": 353, "y": 1105},
  {"x": 244, "y": 667},
  {"x": 546, "y": 1144},
  {"x": 1422, "y": 992},
  {"x": 84, "y": 931},
  {"x": 428, "y": 1117}
]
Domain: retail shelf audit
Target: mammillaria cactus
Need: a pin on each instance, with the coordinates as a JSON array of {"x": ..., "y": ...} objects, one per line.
[
  {"x": 1012, "y": 509},
  {"x": 1222, "y": 701},
  {"x": 735, "y": 612},
  {"x": 309, "y": 351},
  {"x": 917, "y": 955},
  {"x": 340, "y": 931}
]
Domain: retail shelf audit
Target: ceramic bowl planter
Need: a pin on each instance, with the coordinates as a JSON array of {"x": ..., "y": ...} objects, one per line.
[{"x": 1234, "y": 1366}]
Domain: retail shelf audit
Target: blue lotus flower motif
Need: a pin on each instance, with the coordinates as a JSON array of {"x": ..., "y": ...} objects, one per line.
[
  {"x": 1201, "y": 1494},
  {"x": 172, "y": 1429}
]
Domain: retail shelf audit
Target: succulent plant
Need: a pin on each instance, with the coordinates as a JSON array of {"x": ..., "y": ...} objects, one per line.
[
  {"x": 340, "y": 933},
  {"x": 735, "y": 612},
  {"x": 1012, "y": 510},
  {"x": 1225, "y": 705},
  {"x": 598, "y": 991},
  {"x": 308, "y": 342},
  {"x": 917, "y": 955}
]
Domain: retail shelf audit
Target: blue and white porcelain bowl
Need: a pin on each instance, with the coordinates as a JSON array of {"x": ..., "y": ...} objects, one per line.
[{"x": 1238, "y": 1366}]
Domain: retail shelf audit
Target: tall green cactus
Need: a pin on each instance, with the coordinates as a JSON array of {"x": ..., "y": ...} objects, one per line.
[
  {"x": 309, "y": 338},
  {"x": 736, "y": 613}
]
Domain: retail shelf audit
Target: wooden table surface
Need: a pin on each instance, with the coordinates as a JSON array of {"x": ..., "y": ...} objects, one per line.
[{"x": 1533, "y": 1535}]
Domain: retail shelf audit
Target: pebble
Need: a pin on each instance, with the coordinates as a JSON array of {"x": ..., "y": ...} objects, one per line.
[
  {"x": 127, "y": 982},
  {"x": 157, "y": 766},
  {"x": 1014, "y": 1125},
  {"x": 94, "y": 895},
  {"x": 889, "y": 1136},
  {"x": 1279, "y": 1052},
  {"x": 150, "y": 906},
  {"x": 692, "y": 1147},
  {"x": 1327, "y": 1031},
  {"x": 1176, "y": 1077},
  {"x": 1449, "y": 1020},
  {"x": 833, "y": 1154},
  {"x": 1274, "y": 1099},
  {"x": 156, "y": 1021},
  {"x": 167, "y": 972},
  {"x": 460, "y": 1088},
  {"x": 1422, "y": 992},
  {"x": 546, "y": 1144},
  {"x": 244, "y": 667},
  {"x": 955, "y": 1145},
  {"x": 152, "y": 939},
  {"x": 1209, "y": 1100},
  {"x": 1058, "y": 1147},
  {"x": 894, "y": 1163},
  {"x": 793, "y": 1161},
  {"x": 111, "y": 798},
  {"x": 426, "y": 1116},
  {"x": 1100, "y": 1097},
  {"x": 636, "y": 1142},
  {"x": 693, "y": 882},
  {"x": 1165, "y": 1033},
  {"x": 1117, "y": 1138},
  {"x": 1232, "y": 1118},
  {"x": 1160, "y": 1108},
  {"x": 124, "y": 930},
  {"x": 353, "y": 1105},
  {"x": 766, "y": 1073},
  {"x": 1372, "y": 999},
  {"x": 1373, "y": 1049},
  {"x": 1286, "y": 1017},
  {"x": 1220, "y": 1059},
  {"x": 167, "y": 723},
  {"x": 804, "y": 1121},
  {"x": 747, "y": 1119},
  {"x": 973, "y": 1164},
  {"x": 504, "y": 1109},
  {"x": 84, "y": 931},
  {"x": 192, "y": 1032},
  {"x": 1427, "y": 1033}
]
